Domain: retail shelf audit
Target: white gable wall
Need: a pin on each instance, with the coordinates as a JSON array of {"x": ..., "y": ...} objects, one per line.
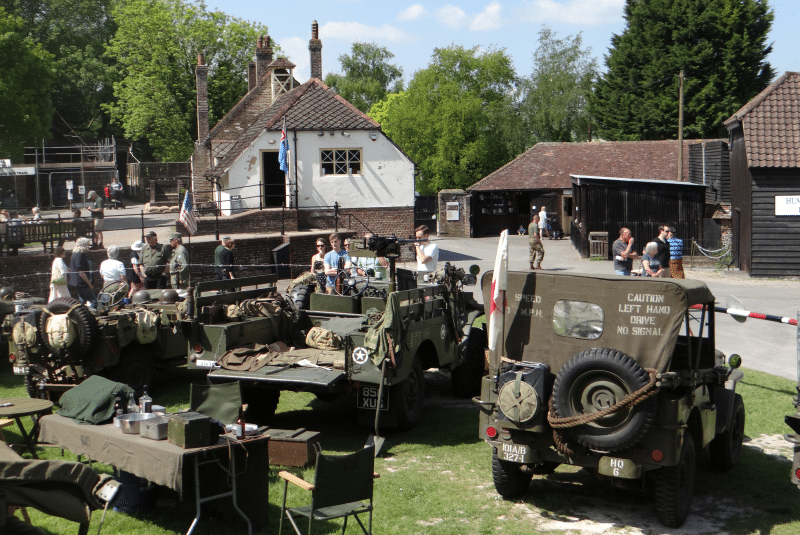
[{"x": 386, "y": 178}]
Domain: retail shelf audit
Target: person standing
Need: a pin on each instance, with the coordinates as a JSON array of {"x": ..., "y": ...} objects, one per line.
[
  {"x": 178, "y": 262},
  {"x": 663, "y": 250},
  {"x": 337, "y": 259},
  {"x": 223, "y": 260},
  {"x": 427, "y": 253},
  {"x": 58, "y": 276},
  {"x": 675, "y": 255},
  {"x": 154, "y": 259},
  {"x": 136, "y": 276},
  {"x": 535, "y": 244},
  {"x": 623, "y": 252},
  {"x": 112, "y": 270},
  {"x": 543, "y": 229},
  {"x": 79, "y": 280},
  {"x": 98, "y": 216}
]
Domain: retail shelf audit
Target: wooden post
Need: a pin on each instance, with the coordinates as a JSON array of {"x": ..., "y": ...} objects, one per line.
[{"x": 680, "y": 128}]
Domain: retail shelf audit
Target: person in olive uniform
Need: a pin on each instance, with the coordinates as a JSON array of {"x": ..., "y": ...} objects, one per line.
[
  {"x": 155, "y": 257},
  {"x": 178, "y": 262},
  {"x": 98, "y": 215}
]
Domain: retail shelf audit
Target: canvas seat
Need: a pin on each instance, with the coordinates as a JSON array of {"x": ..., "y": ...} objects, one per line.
[{"x": 343, "y": 486}]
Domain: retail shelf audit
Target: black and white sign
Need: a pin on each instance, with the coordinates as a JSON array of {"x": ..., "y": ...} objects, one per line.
[{"x": 787, "y": 205}]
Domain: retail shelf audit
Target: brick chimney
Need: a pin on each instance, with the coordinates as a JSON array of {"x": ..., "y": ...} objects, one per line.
[
  {"x": 263, "y": 57},
  {"x": 315, "y": 48},
  {"x": 201, "y": 76},
  {"x": 252, "y": 82}
]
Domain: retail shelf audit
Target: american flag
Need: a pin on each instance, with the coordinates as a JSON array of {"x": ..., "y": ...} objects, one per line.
[{"x": 187, "y": 215}]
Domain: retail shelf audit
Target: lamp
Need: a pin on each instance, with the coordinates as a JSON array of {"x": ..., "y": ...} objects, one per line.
[
  {"x": 345, "y": 134},
  {"x": 271, "y": 141}
]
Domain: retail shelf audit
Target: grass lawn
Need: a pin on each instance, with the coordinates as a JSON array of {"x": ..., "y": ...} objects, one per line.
[{"x": 436, "y": 478}]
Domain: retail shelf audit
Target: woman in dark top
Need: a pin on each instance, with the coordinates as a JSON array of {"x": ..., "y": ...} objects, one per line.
[{"x": 79, "y": 280}]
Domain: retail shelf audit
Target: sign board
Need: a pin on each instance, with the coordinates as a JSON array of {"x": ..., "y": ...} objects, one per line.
[
  {"x": 5, "y": 163},
  {"x": 81, "y": 190},
  {"x": 236, "y": 204},
  {"x": 69, "y": 194},
  {"x": 787, "y": 205},
  {"x": 68, "y": 184},
  {"x": 453, "y": 211},
  {"x": 14, "y": 171}
]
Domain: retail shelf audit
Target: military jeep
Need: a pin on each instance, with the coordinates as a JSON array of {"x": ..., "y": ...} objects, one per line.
[{"x": 616, "y": 374}]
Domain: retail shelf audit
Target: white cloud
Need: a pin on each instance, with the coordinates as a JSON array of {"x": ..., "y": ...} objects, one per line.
[
  {"x": 489, "y": 19},
  {"x": 453, "y": 16},
  {"x": 417, "y": 11},
  {"x": 355, "y": 31},
  {"x": 582, "y": 12},
  {"x": 296, "y": 49}
]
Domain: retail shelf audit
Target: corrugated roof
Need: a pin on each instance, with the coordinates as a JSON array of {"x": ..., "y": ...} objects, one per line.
[
  {"x": 311, "y": 106},
  {"x": 771, "y": 124},
  {"x": 549, "y": 165}
]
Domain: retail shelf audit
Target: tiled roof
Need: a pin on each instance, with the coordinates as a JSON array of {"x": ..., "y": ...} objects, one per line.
[
  {"x": 311, "y": 106},
  {"x": 771, "y": 124},
  {"x": 549, "y": 165}
]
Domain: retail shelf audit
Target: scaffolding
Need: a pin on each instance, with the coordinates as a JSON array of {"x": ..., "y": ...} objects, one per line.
[{"x": 43, "y": 179}]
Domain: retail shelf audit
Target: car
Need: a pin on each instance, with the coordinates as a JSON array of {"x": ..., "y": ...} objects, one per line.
[{"x": 615, "y": 374}]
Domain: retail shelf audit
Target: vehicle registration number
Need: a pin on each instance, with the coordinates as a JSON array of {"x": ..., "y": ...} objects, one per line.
[
  {"x": 22, "y": 370},
  {"x": 516, "y": 453},
  {"x": 204, "y": 363},
  {"x": 368, "y": 398}
]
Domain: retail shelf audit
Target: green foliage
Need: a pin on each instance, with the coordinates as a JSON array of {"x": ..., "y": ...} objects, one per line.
[
  {"x": 721, "y": 45},
  {"x": 368, "y": 76},
  {"x": 455, "y": 117},
  {"x": 156, "y": 48},
  {"x": 26, "y": 81},
  {"x": 76, "y": 33},
  {"x": 555, "y": 98}
]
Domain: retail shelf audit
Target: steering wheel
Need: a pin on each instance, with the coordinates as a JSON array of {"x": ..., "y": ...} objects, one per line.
[
  {"x": 106, "y": 298},
  {"x": 352, "y": 284}
]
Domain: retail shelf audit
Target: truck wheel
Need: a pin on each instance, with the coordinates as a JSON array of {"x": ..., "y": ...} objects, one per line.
[
  {"x": 261, "y": 404},
  {"x": 136, "y": 368},
  {"x": 674, "y": 487},
  {"x": 85, "y": 323},
  {"x": 301, "y": 297},
  {"x": 509, "y": 479},
  {"x": 598, "y": 378},
  {"x": 466, "y": 378},
  {"x": 727, "y": 446},
  {"x": 409, "y": 396}
]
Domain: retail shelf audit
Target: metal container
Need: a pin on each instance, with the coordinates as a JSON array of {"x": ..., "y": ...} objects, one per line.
[
  {"x": 129, "y": 423},
  {"x": 154, "y": 428}
]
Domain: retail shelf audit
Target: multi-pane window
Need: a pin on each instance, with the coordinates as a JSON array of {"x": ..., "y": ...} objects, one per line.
[{"x": 340, "y": 161}]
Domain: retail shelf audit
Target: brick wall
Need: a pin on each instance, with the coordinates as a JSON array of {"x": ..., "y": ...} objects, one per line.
[
  {"x": 460, "y": 228},
  {"x": 269, "y": 220}
]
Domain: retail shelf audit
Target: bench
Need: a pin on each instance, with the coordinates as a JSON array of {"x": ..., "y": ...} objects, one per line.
[{"x": 50, "y": 231}]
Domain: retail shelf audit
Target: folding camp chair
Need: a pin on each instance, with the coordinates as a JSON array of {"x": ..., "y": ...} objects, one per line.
[
  {"x": 221, "y": 402},
  {"x": 342, "y": 487}
]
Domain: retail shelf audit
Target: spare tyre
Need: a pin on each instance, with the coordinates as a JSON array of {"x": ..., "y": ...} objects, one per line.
[
  {"x": 85, "y": 325},
  {"x": 598, "y": 378},
  {"x": 301, "y": 296}
]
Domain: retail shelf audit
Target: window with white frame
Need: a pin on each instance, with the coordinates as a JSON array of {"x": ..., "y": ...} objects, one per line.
[{"x": 340, "y": 161}]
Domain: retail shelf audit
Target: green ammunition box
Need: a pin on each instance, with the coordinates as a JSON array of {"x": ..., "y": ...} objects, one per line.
[{"x": 189, "y": 430}]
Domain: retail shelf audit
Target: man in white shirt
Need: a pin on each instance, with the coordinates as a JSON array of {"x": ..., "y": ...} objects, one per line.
[
  {"x": 543, "y": 222},
  {"x": 427, "y": 253}
]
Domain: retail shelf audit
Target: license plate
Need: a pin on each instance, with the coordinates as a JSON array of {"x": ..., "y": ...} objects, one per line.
[
  {"x": 368, "y": 398},
  {"x": 623, "y": 468},
  {"x": 204, "y": 363},
  {"x": 22, "y": 370},
  {"x": 516, "y": 453}
]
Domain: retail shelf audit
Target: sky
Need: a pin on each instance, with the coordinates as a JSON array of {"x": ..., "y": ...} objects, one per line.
[{"x": 411, "y": 31}]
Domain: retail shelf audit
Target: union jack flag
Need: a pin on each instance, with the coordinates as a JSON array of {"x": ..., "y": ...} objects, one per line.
[
  {"x": 283, "y": 153},
  {"x": 187, "y": 215}
]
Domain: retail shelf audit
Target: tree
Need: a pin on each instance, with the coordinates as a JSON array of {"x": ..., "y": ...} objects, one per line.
[
  {"x": 76, "y": 33},
  {"x": 555, "y": 99},
  {"x": 719, "y": 44},
  {"x": 453, "y": 117},
  {"x": 368, "y": 76},
  {"x": 26, "y": 80},
  {"x": 156, "y": 48}
]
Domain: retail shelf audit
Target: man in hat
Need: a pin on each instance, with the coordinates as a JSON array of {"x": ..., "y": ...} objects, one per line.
[
  {"x": 98, "y": 216},
  {"x": 154, "y": 259},
  {"x": 136, "y": 276},
  {"x": 223, "y": 259},
  {"x": 178, "y": 262}
]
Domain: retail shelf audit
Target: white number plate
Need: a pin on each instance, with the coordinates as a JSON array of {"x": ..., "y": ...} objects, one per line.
[
  {"x": 368, "y": 397},
  {"x": 516, "y": 453},
  {"x": 204, "y": 363},
  {"x": 22, "y": 370}
]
